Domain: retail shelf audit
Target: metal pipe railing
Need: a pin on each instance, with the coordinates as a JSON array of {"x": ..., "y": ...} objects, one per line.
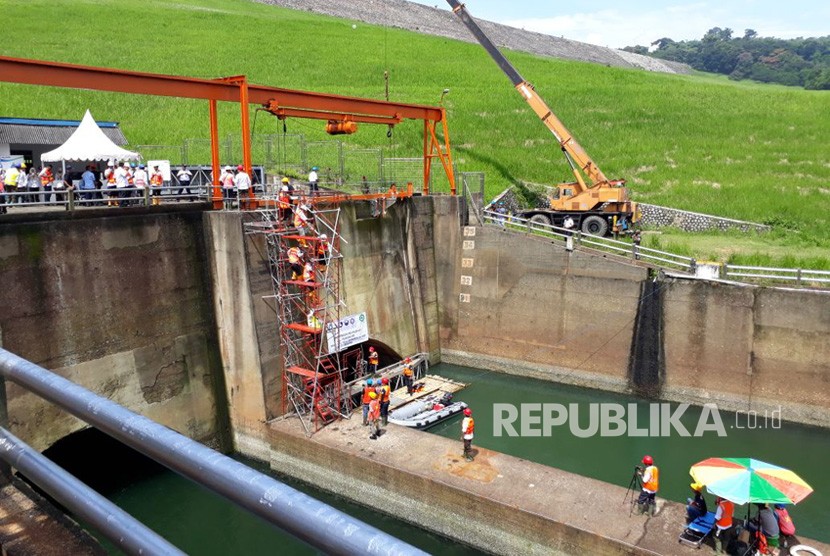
[
  {"x": 125, "y": 531},
  {"x": 310, "y": 520}
]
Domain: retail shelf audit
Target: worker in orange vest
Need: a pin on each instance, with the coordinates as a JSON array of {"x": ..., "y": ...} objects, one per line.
[
  {"x": 367, "y": 388},
  {"x": 295, "y": 261},
  {"x": 385, "y": 394},
  {"x": 284, "y": 200},
  {"x": 156, "y": 181},
  {"x": 308, "y": 272},
  {"x": 374, "y": 415},
  {"x": 468, "y": 427},
  {"x": 723, "y": 522},
  {"x": 407, "y": 375},
  {"x": 373, "y": 360},
  {"x": 651, "y": 484}
]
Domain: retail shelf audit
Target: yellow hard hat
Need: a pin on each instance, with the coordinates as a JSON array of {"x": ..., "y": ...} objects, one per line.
[
  {"x": 373, "y": 395},
  {"x": 285, "y": 180},
  {"x": 697, "y": 487}
]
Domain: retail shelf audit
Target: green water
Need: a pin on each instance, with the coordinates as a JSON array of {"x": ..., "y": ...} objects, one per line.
[
  {"x": 202, "y": 523},
  {"x": 805, "y": 450}
]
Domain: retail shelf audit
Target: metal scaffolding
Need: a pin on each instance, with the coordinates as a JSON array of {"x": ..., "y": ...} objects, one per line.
[{"x": 306, "y": 267}]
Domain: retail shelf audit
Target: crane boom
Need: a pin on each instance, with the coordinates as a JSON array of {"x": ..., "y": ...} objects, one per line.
[{"x": 585, "y": 170}]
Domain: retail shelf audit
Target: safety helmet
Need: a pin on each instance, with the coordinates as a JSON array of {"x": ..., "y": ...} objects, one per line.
[
  {"x": 408, "y": 360},
  {"x": 23, "y": 165},
  {"x": 468, "y": 411},
  {"x": 697, "y": 487},
  {"x": 384, "y": 380},
  {"x": 648, "y": 460},
  {"x": 286, "y": 180},
  {"x": 228, "y": 168},
  {"x": 779, "y": 506},
  {"x": 370, "y": 382},
  {"x": 240, "y": 167},
  {"x": 315, "y": 168},
  {"x": 323, "y": 236},
  {"x": 110, "y": 163},
  {"x": 132, "y": 165},
  {"x": 141, "y": 166},
  {"x": 373, "y": 394},
  {"x": 371, "y": 348}
]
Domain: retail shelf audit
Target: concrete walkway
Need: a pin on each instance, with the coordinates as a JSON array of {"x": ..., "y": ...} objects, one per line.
[
  {"x": 541, "y": 507},
  {"x": 30, "y": 527}
]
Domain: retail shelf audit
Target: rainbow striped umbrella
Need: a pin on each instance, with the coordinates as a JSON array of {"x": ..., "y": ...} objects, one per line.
[{"x": 743, "y": 480}]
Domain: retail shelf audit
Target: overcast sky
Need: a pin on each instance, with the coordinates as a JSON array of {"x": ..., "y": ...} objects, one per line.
[{"x": 626, "y": 23}]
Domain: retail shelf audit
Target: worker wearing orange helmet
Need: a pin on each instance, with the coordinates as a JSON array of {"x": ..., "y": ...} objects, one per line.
[
  {"x": 373, "y": 360},
  {"x": 650, "y": 476},
  {"x": 374, "y": 415},
  {"x": 468, "y": 426}
]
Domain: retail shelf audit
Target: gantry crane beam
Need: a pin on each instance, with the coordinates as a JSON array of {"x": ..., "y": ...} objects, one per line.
[{"x": 228, "y": 89}]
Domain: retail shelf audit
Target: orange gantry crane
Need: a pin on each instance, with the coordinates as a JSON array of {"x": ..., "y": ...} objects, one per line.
[{"x": 341, "y": 113}]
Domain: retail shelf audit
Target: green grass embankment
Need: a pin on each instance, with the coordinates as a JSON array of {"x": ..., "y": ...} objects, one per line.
[{"x": 739, "y": 150}]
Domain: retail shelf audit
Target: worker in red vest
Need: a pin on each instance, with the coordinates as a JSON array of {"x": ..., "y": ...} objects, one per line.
[
  {"x": 468, "y": 427},
  {"x": 374, "y": 415},
  {"x": 367, "y": 388},
  {"x": 650, "y": 475},
  {"x": 373, "y": 360},
  {"x": 723, "y": 522},
  {"x": 385, "y": 394}
]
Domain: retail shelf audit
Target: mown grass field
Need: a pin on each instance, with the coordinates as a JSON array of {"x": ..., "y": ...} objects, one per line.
[{"x": 740, "y": 150}]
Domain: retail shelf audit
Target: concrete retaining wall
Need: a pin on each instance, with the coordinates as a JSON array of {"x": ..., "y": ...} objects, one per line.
[
  {"x": 120, "y": 305},
  {"x": 654, "y": 215}
]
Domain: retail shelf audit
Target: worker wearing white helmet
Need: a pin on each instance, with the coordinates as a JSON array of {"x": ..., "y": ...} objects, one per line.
[{"x": 226, "y": 181}]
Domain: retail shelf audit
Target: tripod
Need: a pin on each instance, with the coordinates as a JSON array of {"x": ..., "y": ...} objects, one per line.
[{"x": 635, "y": 483}]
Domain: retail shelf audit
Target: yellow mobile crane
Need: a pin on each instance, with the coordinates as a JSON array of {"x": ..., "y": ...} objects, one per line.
[{"x": 593, "y": 201}]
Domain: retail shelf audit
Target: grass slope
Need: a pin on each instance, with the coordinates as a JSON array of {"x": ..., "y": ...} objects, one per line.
[{"x": 740, "y": 150}]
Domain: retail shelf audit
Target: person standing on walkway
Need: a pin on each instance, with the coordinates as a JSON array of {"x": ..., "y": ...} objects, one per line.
[
  {"x": 468, "y": 427},
  {"x": 651, "y": 483},
  {"x": 141, "y": 182},
  {"x": 184, "y": 176},
  {"x": 723, "y": 523},
  {"x": 374, "y": 415},
  {"x": 368, "y": 387},
  {"x": 313, "y": 180},
  {"x": 10, "y": 181},
  {"x": 408, "y": 376},
  {"x": 373, "y": 360},
  {"x": 156, "y": 182},
  {"x": 47, "y": 178},
  {"x": 385, "y": 395},
  {"x": 242, "y": 183},
  {"x": 226, "y": 179}
]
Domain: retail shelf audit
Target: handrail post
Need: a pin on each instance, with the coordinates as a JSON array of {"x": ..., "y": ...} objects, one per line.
[{"x": 798, "y": 277}]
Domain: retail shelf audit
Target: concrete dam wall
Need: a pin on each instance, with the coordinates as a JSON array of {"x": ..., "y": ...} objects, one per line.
[
  {"x": 525, "y": 305},
  {"x": 120, "y": 305}
]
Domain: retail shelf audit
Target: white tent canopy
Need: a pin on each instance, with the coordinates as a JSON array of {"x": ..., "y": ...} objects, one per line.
[{"x": 88, "y": 143}]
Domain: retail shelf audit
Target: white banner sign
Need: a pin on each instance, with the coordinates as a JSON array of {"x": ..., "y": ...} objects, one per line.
[{"x": 353, "y": 330}]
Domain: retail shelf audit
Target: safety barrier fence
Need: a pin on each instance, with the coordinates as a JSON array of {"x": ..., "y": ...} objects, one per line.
[
  {"x": 654, "y": 257},
  {"x": 662, "y": 259},
  {"x": 801, "y": 276},
  {"x": 310, "y": 520}
]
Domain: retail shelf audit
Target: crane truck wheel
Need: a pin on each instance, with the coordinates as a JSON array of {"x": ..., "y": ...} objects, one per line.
[
  {"x": 595, "y": 225},
  {"x": 540, "y": 219}
]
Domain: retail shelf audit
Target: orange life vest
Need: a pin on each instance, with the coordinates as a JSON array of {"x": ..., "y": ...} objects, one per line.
[
  {"x": 46, "y": 178},
  {"x": 407, "y": 371},
  {"x": 308, "y": 273},
  {"x": 294, "y": 255},
  {"x": 300, "y": 219},
  {"x": 156, "y": 179},
  {"x": 385, "y": 392},
  {"x": 471, "y": 426},
  {"x": 654, "y": 483},
  {"x": 373, "y": 358},
  {"x": 284, "y": 200},
  {"x": 727, "y": 509},
  {"x": 374, "y": 409},
  {"x": 366, "y": 398}
]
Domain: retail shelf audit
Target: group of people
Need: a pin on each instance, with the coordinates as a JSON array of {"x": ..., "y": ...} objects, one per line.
[
  {"x": 774, "y": 523},
  {"x": 120, "y": 184}
]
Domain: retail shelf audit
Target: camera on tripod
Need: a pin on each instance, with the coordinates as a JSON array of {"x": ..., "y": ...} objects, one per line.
[{"x": 638, "y": 468}]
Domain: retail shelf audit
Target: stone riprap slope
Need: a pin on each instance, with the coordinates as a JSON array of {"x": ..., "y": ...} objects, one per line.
[{"x": 433, "y": 21}]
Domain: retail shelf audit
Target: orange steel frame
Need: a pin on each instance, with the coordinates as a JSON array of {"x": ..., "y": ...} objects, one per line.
[{"x": 281, "y": 102}]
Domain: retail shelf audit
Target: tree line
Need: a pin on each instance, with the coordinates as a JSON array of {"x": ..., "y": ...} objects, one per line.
[{"x": 799, "y": 62}]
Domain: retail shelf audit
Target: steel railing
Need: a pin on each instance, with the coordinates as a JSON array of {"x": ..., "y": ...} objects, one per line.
[
  {"x": 310, "y": 520},
  {"x": 801, "y": 276},
  {"x": 655, "y": 257}
]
